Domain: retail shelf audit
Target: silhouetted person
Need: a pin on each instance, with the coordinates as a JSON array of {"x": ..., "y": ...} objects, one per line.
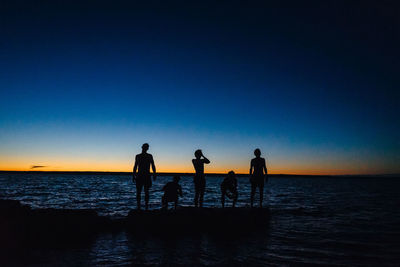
[
  {"x": 229, "y": 188},
  {"x": 199, "y": 177},
  {"x": 258, "y": 172},
  {"x": 172, "y": 191},
  {"x": 143, "y": 177}
]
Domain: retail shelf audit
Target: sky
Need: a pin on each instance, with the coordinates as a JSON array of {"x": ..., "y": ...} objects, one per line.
[{"x": 314, "y": 85}]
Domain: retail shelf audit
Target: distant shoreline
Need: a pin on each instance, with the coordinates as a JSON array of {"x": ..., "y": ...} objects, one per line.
[{"x": 207, "y": 174}]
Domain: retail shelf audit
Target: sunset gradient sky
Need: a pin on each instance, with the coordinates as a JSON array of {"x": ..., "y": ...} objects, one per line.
[{"x": 314, "y": 86}]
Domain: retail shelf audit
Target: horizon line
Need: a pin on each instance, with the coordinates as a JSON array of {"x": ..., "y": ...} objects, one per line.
[{"x": 192, "y": 173}]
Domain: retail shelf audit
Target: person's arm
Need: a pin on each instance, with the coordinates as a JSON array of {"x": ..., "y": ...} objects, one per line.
[
  {"x": 205, "y": 160},
  {"x": 251, "y": 168},
  {"x": 134, "y": 169},
  {"x": 265, "y": 170},
  {"x": 154, "y": 169}
]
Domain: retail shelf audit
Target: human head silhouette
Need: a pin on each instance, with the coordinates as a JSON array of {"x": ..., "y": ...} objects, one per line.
[
  {"x": 177, "y": 179},
  {"x": 198, "y": 153},
  {"x": 231, "y": 174},
  {"x": 145, "y": 147},
  {"x": 257, "y": 152}
]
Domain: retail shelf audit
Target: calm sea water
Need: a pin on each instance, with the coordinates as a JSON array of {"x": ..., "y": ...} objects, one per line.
[{"x": 314, "y": 221}]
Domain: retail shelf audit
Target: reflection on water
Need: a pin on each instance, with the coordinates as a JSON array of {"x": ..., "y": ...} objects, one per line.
[
  {"x": 185, "y": 250},
  {"x": 346, "y": 221}
]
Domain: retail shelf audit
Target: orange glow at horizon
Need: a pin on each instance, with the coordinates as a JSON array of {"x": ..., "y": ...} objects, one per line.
[{"x": 116, "y": 166}]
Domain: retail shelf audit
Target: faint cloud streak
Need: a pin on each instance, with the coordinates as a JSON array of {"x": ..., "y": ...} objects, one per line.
[{"x": 37, "y": 166}]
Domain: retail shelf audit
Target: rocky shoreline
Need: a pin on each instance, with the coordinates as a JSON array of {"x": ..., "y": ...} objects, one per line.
[{"x": 20, "y": 224}]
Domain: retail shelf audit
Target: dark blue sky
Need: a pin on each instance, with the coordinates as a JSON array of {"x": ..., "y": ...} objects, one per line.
[{"x": 314, "y": 85}]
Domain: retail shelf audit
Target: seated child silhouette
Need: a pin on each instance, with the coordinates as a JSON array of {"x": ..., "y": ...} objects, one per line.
[
  {"x": 229, "y": 188},
  {"x": 172, "y": 191}
]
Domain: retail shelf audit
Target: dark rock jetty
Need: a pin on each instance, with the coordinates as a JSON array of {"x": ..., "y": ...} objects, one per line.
[{"x": 19, "y": 223}]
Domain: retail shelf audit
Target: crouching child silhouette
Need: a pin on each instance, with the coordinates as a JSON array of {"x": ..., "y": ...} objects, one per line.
[
  {"x": 172, "y": 191},
  {"x": 229, "y": 188}
]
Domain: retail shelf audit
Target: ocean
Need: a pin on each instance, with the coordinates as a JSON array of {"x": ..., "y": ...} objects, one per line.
[{"x": 335, "y": 221}]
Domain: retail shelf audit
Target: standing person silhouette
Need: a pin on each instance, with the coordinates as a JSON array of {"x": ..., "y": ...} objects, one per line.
[
  {"x": 258, "y": 171},
  {"x": 199, "y": 177},
  {"x": 142, "y": 178}
]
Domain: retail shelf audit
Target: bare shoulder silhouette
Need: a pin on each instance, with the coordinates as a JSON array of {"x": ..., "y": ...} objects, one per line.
[
  {"x": 258, "y": 165},
  {"x": 144, "y": 160},
  {"x": 199, "y": 165}
]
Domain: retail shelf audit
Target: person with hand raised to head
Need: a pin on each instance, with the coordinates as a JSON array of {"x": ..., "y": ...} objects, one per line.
[{"x": 199, "y": 177}]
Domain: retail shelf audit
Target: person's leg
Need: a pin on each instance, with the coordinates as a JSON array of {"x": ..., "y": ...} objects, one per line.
[
  {"x": 176, "y": 203},
  {"x": 253, "y": 192},
  {"x": 196, "y": 195},
  {"x": 146, "y": 197},
  {"x": 235, "y": 197},
  {"x": 223, "y": 199},
  {"x": 139, "y": 187},
  {"x": 202, "y": 189},
  {"x": 201, "y": 197},
  {"x": 147, "y": 185},
  {"x": 261, "y": 194},
  {"x": 164, "y": 202}
]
